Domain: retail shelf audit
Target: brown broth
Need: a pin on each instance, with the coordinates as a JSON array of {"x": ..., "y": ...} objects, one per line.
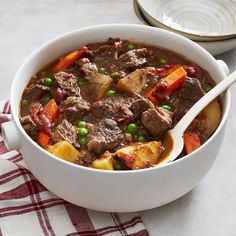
[{"x": 105, "y": 59}]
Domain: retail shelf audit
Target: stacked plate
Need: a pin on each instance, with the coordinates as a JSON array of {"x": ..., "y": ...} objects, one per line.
[{"x": 210, "y": 23}]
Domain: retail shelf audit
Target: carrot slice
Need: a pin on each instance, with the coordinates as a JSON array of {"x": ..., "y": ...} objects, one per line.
[
  {"x": 172, "y": 82},
  {"x": 70, "y": 59},
  {"x": 43, "y": 138},
  {"x": 175, "y": 80},
  {"x": 191, "y": 141},
  {"x": 151, "y": 97},
  {"x": 51, "y": 110}
]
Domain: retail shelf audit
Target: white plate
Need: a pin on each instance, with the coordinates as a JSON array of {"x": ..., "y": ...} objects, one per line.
[
  {"x": 202, "y": 20},
  {"x": 214, "y": 47}
]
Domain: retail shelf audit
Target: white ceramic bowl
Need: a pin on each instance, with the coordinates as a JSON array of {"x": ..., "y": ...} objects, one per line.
[
  {"x": 202, "y": 20},
  {"x": 117, "y": 191},
  {"x": 213, "y": 47}
]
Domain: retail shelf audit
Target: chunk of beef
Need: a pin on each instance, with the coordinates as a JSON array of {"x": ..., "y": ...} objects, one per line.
[
  {"x": 105, "y": 136},
  {"x": 67, "y": 82},
  {"x": 117, "y": 107},
  {"x": 140, "y": 105},
  {"x": 39, "y": 118},
  {"x": 191, "y": 92},
  {"x": 36, "y": 91},
  {"x": 156, "y": 121},
  {"x": 133, "y": 59},
  {"x": 99, "y": 48},
  {"x": 29, "y": 126},
  {"x": 90, "y": 118},
  {"x": 86, "y": 158},
  {"x": 86, "y": 66},
  {"x": 186, "y": 97},
  {"x": 74, "y": 108},
  {"x": 96, "y": 86},
  {"x": 65, "y": 131}
]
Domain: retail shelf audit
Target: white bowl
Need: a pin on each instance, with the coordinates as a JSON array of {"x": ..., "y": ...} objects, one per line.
[
  {"x": 119, "y": 191},
  {"x": 213, "y": 47},
  {"x": 202, "y": 20}
]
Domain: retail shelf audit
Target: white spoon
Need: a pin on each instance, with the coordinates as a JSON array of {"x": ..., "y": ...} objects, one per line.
[{"x": 178, "y": 131}]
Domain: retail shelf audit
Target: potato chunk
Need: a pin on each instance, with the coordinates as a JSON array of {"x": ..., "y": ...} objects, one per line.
[
  {"x": 97, "y": 85},
  {"x": 65, "y": 151},
  {"x": 134, "y": 82},
  {"x": 140, "y": 155},
  {"x": 211, "y": 115},
  {"x": 104, "y": 163}
]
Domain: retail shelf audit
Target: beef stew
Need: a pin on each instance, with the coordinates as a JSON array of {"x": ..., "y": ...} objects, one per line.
[{"x": 108, "y": 105}]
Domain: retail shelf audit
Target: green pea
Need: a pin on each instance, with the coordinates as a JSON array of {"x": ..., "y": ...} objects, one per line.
[
  {"x": 166, "y": 107},
  {"x": 81, "y": 81},
  {"x": 101, "y": 70},
  {"x": 141, "y": 138},
  {"x": 128, "y": 137},
  {"x": 162, "y": 61},
  {"x": 111, "y": 93},
  {"x": 114, "y": 74},
  {"x": 47, "y": 82},
  {"x": 24, "y": 102},
  {"x": 82, "y": 141},
  {"x": 104, "y": 62},
  {"x": 46, "y": 97},
  {"x": 117, "y": 165},
  {"x": 82, "y": 131},
  {"x": 207, "y": 88},
  {"x": 132, "y": 128},
  {"x": 81, "y": 124},
  {"x": 130, "y": 46}
]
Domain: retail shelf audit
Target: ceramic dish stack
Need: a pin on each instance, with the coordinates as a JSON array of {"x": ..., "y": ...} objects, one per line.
[{"x": 210, "y": 23}]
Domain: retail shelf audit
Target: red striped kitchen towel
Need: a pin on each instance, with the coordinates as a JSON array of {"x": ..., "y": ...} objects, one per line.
[{"x": 28, "y": 208}]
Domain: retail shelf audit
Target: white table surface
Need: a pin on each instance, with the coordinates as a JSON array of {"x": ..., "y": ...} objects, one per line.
[{"x": 209, "y": 209}]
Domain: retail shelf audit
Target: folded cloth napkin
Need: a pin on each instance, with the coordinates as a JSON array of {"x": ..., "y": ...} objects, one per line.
[{"x": 28, "y": 208}]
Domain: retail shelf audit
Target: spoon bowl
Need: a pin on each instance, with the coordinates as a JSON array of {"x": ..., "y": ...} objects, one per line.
[{"x": 177, "y": 132}]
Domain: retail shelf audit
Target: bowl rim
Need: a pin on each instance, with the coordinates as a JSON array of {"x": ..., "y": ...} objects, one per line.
[
  {"x": 197, "y": 37},
  {"x": 15, "y": 115}
]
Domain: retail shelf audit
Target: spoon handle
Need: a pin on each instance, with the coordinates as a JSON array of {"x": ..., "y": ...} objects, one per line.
[{"x": 204, "y": 101}]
